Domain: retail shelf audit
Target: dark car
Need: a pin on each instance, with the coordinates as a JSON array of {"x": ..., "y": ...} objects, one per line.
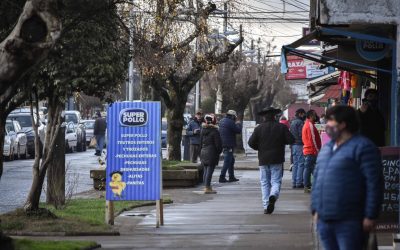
[
  {"x": 25, "y": 121},
  {"x": 164, "y": 128}
]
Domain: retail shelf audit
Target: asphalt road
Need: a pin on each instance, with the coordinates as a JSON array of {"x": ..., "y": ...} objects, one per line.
[{"x": 17, "y": 178}]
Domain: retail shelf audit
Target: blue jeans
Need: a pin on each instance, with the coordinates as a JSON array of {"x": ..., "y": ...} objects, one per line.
[
  {"x": 309, "y": 164},
  {"x": 298, "y": 165},
  {"x": 271, "y": 181},
  {"x": 100, "y": 142},
  {"x": 229, "y": 162},
  {"x": 341, "y": 235}
]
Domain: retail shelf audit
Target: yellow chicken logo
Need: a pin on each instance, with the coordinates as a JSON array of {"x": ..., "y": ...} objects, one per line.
[{"x": 116, "y": 184}]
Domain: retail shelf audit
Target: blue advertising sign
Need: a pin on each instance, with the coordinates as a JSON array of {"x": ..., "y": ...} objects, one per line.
[{"x": 133, "y": 151}]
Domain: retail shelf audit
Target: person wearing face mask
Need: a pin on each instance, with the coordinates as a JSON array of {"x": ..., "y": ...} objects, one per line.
[
  {"x": 312, "y": 145},
  {"x": 348, "y": 183},
  {"x": 372, "y": 122}
]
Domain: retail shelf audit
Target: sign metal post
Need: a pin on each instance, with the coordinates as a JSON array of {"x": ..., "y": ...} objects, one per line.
[{"x": 134, "y": 156}]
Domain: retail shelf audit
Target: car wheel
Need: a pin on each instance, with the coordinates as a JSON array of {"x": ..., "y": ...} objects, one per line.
[
  {"x": 79, "y": 147},
  {"x": 25, "y": 155},
  {"x": 18, "y": 156},
  {"x": 67, "y": 148},
  {"x": 10, "y": 157},
  {"x": 84, "y": 145}
]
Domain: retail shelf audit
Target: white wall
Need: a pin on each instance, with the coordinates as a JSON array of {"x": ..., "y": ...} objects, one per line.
[{"x": 360, "y": 11}]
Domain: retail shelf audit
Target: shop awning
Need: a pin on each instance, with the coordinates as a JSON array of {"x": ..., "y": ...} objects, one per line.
[
  {"x": 331, "y": 92},
  {"x": 329, "y": 60},
  {"x": 332, "y": 77},
  {"x": 336, "y": 36}
]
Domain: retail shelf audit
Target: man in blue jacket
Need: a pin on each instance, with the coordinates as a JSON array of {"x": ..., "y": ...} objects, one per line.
[
  {"x": 348, "y": 183},
  {"x": 193, "y": 131},
  {"x": 229, "y": 128}
]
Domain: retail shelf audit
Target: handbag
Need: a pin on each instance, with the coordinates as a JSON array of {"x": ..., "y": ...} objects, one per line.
[{"x": 93, "y": 142}]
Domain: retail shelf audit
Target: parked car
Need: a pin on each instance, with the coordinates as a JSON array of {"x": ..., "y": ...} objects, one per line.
[
  {"x": 71, "y": 137},
  {"x": 14, "y": 141},
  {"x": 25, "y": 121},
  {"x": 164, "y": 128},
  {"x": 75, "y": 117},
  {"x": 89, "y": 128}
]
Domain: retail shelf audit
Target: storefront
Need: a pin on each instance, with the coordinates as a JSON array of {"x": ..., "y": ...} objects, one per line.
[{"x": 366, "y": 56}]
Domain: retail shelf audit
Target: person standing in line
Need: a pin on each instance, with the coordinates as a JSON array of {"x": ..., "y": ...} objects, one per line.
[
  {"x": 269, "y": 139},
  {"x": 311, "y": 146},
  {"x": 211, "y": 148},
  {"x": 229, "y": 128},
  {"x": 348, "y": 183},
  {"x": 193, "y": 131},
  {"x": 296, "y": 128},
  {"x": 99, "y": 131},
  {"x": 372, "y": 121}
]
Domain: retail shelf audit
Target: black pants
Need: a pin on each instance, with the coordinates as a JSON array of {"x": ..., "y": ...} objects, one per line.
[
  {"x": 194, "y": 152},
  {"x": 208, "y": 173}
]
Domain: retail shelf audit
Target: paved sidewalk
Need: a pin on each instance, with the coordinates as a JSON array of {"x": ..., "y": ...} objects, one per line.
[{"x": 231, "y": 219}]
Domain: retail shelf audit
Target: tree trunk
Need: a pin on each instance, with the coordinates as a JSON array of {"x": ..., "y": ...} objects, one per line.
[
  {"x": 55, "y": 192},
  {"x": 175, "y": 127},
  {"x": 41, "y": 165}
]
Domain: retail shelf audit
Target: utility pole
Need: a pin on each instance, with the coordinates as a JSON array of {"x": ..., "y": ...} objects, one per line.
[
  {"x": 218, "y": 103},
  {"x": 131, "y": 63}
]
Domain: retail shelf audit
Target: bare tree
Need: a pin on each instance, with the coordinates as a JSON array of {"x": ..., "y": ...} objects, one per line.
[
  {"x": 34, "y": 34},
  {"x": 165, "y": 35}
]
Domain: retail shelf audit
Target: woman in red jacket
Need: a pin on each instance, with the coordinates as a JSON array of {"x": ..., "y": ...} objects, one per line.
[{"x": 312, "y": 145}]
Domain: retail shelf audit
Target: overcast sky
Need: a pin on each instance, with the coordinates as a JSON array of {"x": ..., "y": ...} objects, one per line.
[{"x": 273, "y": 29}]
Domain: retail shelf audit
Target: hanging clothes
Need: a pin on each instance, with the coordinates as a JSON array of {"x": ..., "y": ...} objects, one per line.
[{"x": 345, "y": 83}]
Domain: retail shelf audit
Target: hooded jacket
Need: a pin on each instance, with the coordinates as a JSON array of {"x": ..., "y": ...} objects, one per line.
[
  {"x": 270, "y": 138},
  {"x": 211, "y": 145}
]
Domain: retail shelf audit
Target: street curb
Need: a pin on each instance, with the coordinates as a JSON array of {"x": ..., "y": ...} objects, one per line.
[
  {"x": 63, "y": 234},
  {"x": 93, "y": 247}
]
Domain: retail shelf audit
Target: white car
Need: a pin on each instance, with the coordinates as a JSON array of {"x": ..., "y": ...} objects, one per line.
[
  {"x": 71, "y": 138},
  {"x": 15, "y": 141},
  {"x": 89, "y": 125}
]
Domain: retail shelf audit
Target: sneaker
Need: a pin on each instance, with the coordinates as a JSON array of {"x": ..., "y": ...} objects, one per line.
[
  {"x": 222, "y": 180},
  {"x": 307, "y": 190},
  {"x": 234, "y": 179},
  {"x": 271, "y": 205},
  {"x": 266, "y": 211}
]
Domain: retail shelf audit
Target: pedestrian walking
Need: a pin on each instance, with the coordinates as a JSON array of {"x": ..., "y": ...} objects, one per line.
[
  {"x": 193, "y": 131},
  {"x": 99, "y": 131},
  {"x": 269, "y": 139},
  {"x": 211, "y": 148},
  {"x": 229, "y": 127},
  {"x": 311, "y": 146},
  {"x": 348, "y": 183},
  {"x": 296, "y": 128}
]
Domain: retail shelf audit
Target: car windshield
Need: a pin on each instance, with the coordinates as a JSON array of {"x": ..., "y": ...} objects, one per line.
[
  {"x": 71, "y": 118},
  {"x": 164, "y": 125},
  {"x": 89, "y": 125},
  {"x": 24, "y": 120}
]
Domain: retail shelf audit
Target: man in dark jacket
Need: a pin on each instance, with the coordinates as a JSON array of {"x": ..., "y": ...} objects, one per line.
[
  {"x": 269, "y": 139},
  {"x": 193, "y": 131},
  {"x": 99, "y": 131},
  {"x": 296, "y": 128},
  {"x": 348, "y": 183},
  {"x": 211, "y": 148},
  {"x": 229, "y": 128},
  {"x": 372, "y": 122}
]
